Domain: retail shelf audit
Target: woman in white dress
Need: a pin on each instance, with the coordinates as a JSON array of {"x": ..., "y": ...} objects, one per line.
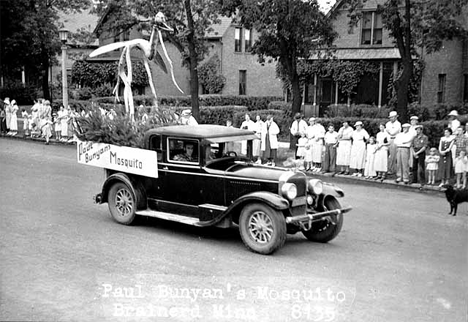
[
  {"x": 63, "y": 116},
  {"x": 343, "y": 152},
  {"x": 13, "y": 118},
  {"x": 358, "y": 149},
  {"x": 381, "y": 154},
  {"x": 7, "y": 114}
]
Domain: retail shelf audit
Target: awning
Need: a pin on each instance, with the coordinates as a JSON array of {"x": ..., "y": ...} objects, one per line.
[{"x": 361, "y": 54}]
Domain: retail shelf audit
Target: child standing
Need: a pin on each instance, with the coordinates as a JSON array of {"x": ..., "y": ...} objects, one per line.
[
  {"x": 432, "y": 165},
  {"x": 57, "y": 127},
  {"x": 301, "y": 143},
  {"x": 308, "y": 155},
  {"x": 460, "y": 169},
  {"x": 369, "y": 169},
  {"x": 25, "y": 117}
]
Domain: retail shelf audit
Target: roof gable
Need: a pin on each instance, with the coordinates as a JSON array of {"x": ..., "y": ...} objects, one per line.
[{"x": 218, "y": 30}]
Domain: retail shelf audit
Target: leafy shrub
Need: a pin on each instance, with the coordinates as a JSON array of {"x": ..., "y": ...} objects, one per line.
[
  {"x": 23, "y": 95},
  {"x": 120, "y": 130},
  {"x": 84, "y": 93},
  {"x": 360, "y": 110},
  {"x": 210, "y": 77},
  {"x": 280, "y": 105}
]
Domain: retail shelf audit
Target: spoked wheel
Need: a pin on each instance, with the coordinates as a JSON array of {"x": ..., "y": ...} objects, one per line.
[
  {"x": 262, "y": 228},
  {"x": 122, "y": 203},
  {"x": 324, "y": 231}
]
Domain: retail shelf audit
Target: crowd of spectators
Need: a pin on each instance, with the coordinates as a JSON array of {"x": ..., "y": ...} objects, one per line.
[
  {"x": 399, "y": 151},
  {"x": 40, "y": 122}
]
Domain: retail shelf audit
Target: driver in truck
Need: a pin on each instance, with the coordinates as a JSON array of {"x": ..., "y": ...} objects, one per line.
[{"x": 189, "y": 148}]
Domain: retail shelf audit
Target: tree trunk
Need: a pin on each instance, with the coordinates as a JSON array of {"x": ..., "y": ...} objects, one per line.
[
  {"x": 296, "y": 94},
  {"x": 45, "y": 77},
  {"x": 402, "y": 87},
  {"x": 402, "y": 35},
  {"x": 193, "y": 61}
]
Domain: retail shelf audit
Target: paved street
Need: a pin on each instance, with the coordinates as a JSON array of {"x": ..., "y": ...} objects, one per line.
[{"x": 399, "y": 257}]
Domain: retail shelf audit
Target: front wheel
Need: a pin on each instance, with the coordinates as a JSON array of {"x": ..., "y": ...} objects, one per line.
[
  {"x": 262, "y": 228},
  {"x": 324, "y": 231},
  {"x": 122, "y": 203}
]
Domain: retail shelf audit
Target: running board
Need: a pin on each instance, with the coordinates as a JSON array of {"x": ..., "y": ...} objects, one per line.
[{"x": 168, "y": 216}]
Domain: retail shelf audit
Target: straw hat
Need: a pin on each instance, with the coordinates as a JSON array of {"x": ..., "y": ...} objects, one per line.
[
  {"x": 358, "y": 123},
  {"x": 453, "y": 113},
  {"x": 186, "y": 112},
  {"x": 392, "y": 114}
]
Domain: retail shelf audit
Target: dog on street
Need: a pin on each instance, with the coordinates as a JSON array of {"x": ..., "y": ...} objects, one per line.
[{"x": 455, "y": 197}]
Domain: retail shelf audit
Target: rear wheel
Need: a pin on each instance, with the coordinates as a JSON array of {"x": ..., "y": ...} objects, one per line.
[
  {"x": 324, "y": 231},
  {"x": 122, "y": 203},
  {"x": 262, "y": 228}
]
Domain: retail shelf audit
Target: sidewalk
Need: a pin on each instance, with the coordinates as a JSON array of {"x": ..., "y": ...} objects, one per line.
[{"x": 283, "y": 149}]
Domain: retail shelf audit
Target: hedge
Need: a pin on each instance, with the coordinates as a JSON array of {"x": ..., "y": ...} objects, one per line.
[
  {"x": 23, "y": 95},
  {"x": 425, "y": 113},
  {"x": 251, "y": 102}
]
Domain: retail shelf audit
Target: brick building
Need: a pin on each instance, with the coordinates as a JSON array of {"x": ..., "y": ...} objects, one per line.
[
  {"x": 444, "y": 78},
  {"x": 243, "y": 73}
]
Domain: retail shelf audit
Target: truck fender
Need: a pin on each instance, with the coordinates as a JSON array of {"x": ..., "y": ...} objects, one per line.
[
  {"x": 134, "y": 185},
  {"x": 321, "y": 201},
  {"x": 271, "y": 199},
  {"x": 331, "y": 189}
]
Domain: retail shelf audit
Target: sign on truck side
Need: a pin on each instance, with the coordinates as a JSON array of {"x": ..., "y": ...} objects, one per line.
[{"x": 121, "y": 158}]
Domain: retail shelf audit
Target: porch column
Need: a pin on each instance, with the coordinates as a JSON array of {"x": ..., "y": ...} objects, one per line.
[
  {"x": 23, "y": 77},
  {"x": 380, "y": 84},
  {"x": 315, "y": 90},
  {"x": 336, "y": 93},
  {"x": 395, "y": 72}
]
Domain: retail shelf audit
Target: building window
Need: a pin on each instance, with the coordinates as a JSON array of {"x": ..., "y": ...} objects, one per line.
[
  {"x": 242, "y": 82},
  {"x": 441, "y": 90},
  {"x": 116, "y": 36},
  {"x": 248, "y": 40},
  {"x": 238, "y": 40},
  {"x": 126, "y": 35},
  {"x": 465, "y": 88},
  {"x": 371, "y": 28}
]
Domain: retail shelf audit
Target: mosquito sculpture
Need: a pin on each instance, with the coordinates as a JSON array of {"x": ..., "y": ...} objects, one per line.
[{"x": 149, "y": 49}]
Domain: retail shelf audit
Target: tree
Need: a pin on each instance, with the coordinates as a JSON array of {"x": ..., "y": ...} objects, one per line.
[
  {"x": 34, "y": 42},
  {"x": 192, "y": 19},
  {"x": 290, "y": 30},
  {"x": 413, "y": 24}
]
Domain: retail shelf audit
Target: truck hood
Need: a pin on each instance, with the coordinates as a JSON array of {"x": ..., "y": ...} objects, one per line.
[{"x": 256, "y": 171}]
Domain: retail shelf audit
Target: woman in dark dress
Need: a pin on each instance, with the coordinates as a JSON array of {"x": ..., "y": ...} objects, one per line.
[
  {"x": 446, "y": 161},
  {"x": 3, "y": 128}
]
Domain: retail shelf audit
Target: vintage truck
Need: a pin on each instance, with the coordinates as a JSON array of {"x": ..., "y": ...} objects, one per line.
[{"x": 204, "y": 175}]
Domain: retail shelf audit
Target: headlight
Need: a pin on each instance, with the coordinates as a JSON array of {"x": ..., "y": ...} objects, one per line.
[
  {"x": 289, "y": 190},
  {"x": 315, "y": 186}
]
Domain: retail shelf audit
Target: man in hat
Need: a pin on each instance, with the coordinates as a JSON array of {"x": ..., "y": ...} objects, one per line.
[
  {"x": 393, "y": 127},
  {"x": 418, "y": 151},
  {"x": 414, "y": 122},
  {"x": 403, "y": 141},
  {"x": 186, "y": 118},
  {"x": 298, "y": 127},
  {"x": 454, "y": 123}
]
